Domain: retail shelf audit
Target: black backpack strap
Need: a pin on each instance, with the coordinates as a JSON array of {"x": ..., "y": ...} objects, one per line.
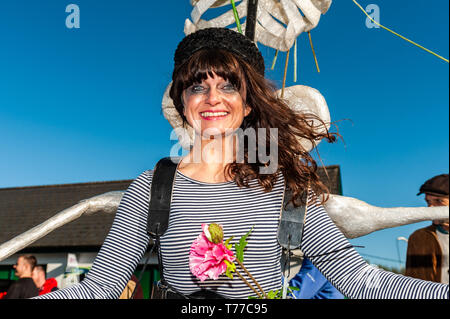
[
  {"x": 161, "y": 195},
  {"x": 290, "y": 229},
  {"x": 159, "y": 206}
]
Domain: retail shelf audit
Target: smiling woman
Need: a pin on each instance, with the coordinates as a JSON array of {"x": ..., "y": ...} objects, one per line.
[
  {"x": 219, "y": 84},
  {"x": 214, "y": 99},
  {"x": 219, "y": 88}
]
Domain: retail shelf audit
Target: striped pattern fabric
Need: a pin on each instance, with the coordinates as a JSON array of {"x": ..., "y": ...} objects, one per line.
[
  {"x": 329, "y": 250},
  {"x": 238, "y": 210}
]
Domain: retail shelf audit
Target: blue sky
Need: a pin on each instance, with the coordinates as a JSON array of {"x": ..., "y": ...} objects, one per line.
[{"x": 82, "y": 105}]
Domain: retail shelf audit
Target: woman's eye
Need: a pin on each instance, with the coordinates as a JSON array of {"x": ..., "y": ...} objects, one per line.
[
  {"x": 197, "y": 88},
  {"x": 228, "y": 87}
]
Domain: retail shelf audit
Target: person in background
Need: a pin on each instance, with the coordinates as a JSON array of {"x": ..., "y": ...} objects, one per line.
[
  {"x": 24, "y": 287},
  {"x": 427, "y": 255},
  {"x": 45, "y": 285},
  {"x": 312, "y": 284}
]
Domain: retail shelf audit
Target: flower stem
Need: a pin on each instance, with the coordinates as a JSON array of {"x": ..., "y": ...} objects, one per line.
[
  {"x": 257, "y": 284},
  {"x": 248, "y": 284}
]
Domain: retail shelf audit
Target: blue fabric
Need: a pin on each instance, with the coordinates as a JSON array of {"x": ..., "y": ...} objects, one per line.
[{"x": 312, "y": 284}]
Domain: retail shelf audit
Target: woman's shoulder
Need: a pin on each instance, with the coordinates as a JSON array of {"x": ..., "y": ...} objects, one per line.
[
  {"x": 142, "y": 182},
  {"x": 145, "y": 176}
]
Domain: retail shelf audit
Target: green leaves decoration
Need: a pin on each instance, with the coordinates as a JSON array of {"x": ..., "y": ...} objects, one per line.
[{"x": 239, "y": 247}]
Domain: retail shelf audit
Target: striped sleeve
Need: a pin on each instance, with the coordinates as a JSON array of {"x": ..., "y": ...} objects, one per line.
[
  {"x": 329, "y": 250},
  {"x": 123, "y": 248}
]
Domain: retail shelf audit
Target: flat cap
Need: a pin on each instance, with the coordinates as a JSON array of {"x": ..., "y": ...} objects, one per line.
[{"x": 437, "y": 186}]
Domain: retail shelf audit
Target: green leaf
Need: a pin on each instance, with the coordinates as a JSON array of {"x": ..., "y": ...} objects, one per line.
[
  {"x": 231, "y": 267},
  {"x": 272, "y": 294},
  {"x": 239, "y": 247},
  {"x": 275, "y": 294},
  {"x": 227, "y": 243},
  {"x": 279, "y": 294}
]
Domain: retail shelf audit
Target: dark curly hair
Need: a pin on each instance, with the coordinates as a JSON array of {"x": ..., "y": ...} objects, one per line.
[{"x": 267, "y": 111}]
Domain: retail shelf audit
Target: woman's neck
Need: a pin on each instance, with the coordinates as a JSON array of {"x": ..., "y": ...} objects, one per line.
[{"x": 208, "y": 159}]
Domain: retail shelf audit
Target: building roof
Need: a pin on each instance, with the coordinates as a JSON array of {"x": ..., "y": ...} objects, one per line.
[
  {"x": 25, "y": 207},
  {"x": 22, "y": 208}
]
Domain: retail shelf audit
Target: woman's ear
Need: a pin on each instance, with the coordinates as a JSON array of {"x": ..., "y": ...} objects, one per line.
[{"x": 247, "y": 110}]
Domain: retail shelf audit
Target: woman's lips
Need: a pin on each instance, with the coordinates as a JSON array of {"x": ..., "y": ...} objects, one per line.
[{"x": 211, "y": 116}]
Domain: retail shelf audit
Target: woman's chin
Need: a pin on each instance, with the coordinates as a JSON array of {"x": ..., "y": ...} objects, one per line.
[{"x": 214, "y": 132}]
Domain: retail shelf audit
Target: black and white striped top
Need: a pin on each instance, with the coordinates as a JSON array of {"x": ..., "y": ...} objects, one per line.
[{"x": 237, "y": 209}]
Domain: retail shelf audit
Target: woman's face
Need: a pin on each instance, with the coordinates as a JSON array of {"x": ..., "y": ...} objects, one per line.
[{"x": 214, "y": 106}]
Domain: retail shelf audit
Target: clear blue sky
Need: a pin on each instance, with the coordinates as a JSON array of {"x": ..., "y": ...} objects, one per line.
[{"x": 82, "y": 105}]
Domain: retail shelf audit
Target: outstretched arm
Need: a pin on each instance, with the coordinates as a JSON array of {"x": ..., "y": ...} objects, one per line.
[
  {"x": 329, "y": 250},
  {"x": 123, "y": 248}
]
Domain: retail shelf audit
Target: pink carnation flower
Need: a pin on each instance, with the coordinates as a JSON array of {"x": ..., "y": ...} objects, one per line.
[{"x": 206, "y": 259}]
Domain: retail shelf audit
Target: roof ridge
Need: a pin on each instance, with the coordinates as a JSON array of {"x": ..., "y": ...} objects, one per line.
[
  {"x": 66, "y": 185},
  {"x": 102, "y": 182}
]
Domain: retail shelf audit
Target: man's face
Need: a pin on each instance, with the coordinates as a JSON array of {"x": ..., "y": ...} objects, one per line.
[
  {"x": 435, "y": 201},
  {"x": 21, "y": 267},
  {"x": 38, "y": 277}
]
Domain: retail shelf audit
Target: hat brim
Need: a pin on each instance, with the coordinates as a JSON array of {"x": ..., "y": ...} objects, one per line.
[{"x": 432, "y": 193}]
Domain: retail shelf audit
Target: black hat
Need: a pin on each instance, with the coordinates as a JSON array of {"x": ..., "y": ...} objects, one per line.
[
  {"x": 219, "y": 38},
  {"x": 437, "y": 186}
]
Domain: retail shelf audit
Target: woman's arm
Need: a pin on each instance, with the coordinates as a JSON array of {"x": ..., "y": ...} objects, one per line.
[
  {"x": 329, "y": 250},
  {"x": 123, "y": 248}
]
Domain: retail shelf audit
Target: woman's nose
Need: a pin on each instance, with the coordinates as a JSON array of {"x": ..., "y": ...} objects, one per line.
[{"x": 213, "y": 97}]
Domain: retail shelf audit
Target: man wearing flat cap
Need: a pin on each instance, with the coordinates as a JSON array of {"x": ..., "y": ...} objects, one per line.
[{"x": 427, "y": 255}]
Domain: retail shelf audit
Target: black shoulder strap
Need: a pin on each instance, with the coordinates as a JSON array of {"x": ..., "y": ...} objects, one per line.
[
  {"x": 290, "y": 229},
  {"x": 161, "y": 195}
]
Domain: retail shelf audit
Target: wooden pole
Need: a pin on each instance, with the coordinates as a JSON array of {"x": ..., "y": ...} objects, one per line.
[
  {"x": 285, "y": 72},
  {"x": 250, "y": 25}
]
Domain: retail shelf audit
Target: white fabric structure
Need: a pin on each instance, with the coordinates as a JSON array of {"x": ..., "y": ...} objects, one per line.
[
  {"x": 353, "y": 217},
  {"x": 279, "y": 22},
  {"x": 297, "y": 16}
]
